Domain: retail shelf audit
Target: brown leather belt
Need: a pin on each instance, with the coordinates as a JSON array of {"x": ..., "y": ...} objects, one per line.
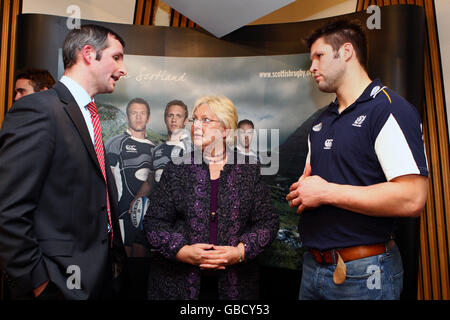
[{"x": 351, "y": 253}]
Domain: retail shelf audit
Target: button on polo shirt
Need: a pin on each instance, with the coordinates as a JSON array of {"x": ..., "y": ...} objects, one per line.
[{"x": 377, "y": 138}]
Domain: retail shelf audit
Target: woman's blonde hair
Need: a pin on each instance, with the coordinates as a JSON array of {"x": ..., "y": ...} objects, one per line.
[{"x": 225, "y": 110}]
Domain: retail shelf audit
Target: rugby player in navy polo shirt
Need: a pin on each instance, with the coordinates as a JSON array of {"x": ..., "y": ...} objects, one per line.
[{"x": 366, "y": 167}]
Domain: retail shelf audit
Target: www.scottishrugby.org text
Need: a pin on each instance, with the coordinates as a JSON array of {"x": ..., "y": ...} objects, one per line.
[{"x": 286, "y": 74}]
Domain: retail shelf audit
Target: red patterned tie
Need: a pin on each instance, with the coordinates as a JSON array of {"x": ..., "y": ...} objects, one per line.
[{"x": 100, "y": 154}]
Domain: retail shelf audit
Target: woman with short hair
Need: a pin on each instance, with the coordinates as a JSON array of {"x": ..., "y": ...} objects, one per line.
[{"x": 210, "y": 217}]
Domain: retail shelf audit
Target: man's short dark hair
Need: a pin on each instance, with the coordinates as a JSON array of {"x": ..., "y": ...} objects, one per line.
[
  {"x": 176, "y": 103},
  {"x": 39, "y": 78},
  {"x": 89, "y": 34},
  {"x": 139, "y": 101},
  {"x": 246, "y": 121},
  {"x": 340, "y": 31}
]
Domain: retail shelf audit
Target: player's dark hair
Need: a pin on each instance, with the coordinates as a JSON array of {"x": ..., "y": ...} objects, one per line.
[
  {"x": 246, "y": 121},
  {"x": 340, "y": 31},
  {"x": 139, "y": 101}
]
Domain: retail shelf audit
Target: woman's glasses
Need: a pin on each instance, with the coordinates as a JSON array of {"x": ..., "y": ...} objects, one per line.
[{"x": 204, "y": 121}]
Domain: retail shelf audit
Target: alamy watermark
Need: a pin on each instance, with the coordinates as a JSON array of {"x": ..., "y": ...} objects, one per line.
[
  {"x": 73, "y": 21},
  {"x": 374, "y": 21},
  {"x": 74, "y": 279},
  {"x": 374, "y": 280}
]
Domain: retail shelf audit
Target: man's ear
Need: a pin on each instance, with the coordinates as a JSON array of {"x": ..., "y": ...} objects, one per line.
[
  {"x": 43, "y": 89},
  {"x": 348, "y": 51},
  {"x": 88, "y": 53}
]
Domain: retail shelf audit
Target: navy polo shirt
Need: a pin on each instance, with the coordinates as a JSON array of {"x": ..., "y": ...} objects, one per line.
[{"x": 377, "y": 138}]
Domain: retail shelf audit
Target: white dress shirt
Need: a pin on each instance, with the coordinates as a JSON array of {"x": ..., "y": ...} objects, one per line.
[{"x": 83, "y": 99}]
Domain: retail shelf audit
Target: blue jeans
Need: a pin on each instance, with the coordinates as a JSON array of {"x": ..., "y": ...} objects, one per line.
[{"x": 373, "y": 278}]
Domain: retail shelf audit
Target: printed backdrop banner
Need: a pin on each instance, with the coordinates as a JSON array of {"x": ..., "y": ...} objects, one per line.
[{"x": 264, "y": 70}]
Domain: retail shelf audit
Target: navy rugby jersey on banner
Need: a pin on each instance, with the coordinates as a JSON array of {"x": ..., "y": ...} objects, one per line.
[
  {"x": 131, "y": 159},
  {"x": 377, "y": 138},
  {"x": 166, "y": 152}
]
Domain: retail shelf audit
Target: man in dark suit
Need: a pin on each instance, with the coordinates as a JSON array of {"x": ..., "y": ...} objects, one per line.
[{"x": 59, "y": 233}]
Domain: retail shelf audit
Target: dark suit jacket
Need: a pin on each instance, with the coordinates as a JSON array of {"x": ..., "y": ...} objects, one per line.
[{"x": 53, "y": 217}]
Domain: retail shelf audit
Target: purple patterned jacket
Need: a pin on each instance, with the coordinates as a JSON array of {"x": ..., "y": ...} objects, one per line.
[{"x": 179, "y": 215}]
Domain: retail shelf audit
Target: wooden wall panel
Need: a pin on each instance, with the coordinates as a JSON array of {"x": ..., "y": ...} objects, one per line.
[
  {"x": 434, "y": 253},
  {"x": 146, "y": 11},
  {"x": 442, "y": 173},
  {"x": 8, "y": 16},
  {"x": 363, "y": 4}
]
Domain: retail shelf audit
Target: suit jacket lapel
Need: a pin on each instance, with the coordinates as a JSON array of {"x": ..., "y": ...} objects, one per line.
[{"x": 74, "y": 112}]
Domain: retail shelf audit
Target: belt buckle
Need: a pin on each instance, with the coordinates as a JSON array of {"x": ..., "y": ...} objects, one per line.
[
  {"x": 324, "y": 254},
  {"x": 320, "y": 256}
]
